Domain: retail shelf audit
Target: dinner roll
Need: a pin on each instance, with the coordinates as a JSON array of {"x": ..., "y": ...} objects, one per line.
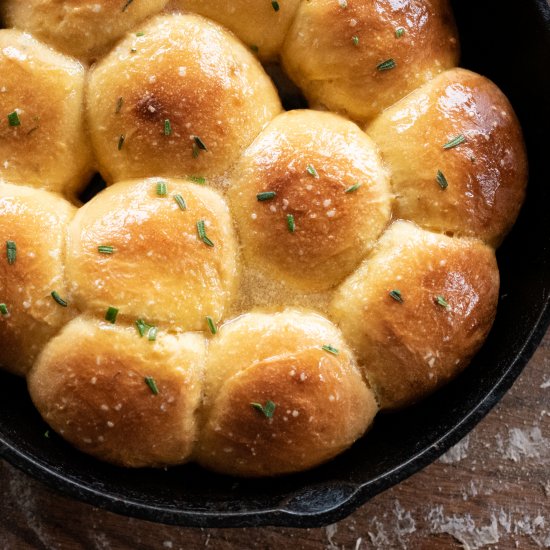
[
  {"x": 121, "y": 398},
  {"x": 159, "y": 250},
  {"x": 310, "y": 197},
  {"x": 32, "y": 235},
  {"x": 182, "y": 97},
  {"x": 417, "y": 310},
  {"x": 81, "y": 28},
  {"x": 260, "y": 25},
  {"x": 275, "y": 400},
  {"x": 43, "y": 140},
  {"x": 359, "y": 56},
  {"x": 457, "y": 156}
]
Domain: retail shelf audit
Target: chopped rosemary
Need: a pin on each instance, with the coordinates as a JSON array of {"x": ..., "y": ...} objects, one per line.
[
  {"x": 201, "y": 229},
  {"x": 121, "y": 141},
  {"x": 201, "y": 180},
  {"x": 127, "y": 5},
  {"x": 311, "y": 171},
  {"x": 291, "y": 224},
  {"x": 396, "y": 295},
  {"x": 13, "y": 119},
  {"x": 454, "y": 142},
  {"x": 266, "y": 196},
  {"x": 106, "y": 249},
  {"x": 353, "y": 188},
  {"x": 167, "y": 127},
  {"x": 211, "y": 325},
  {"x": 198, "y": 146},
  {"x": 267, "y": 410},
  {"x": 4, "y": 309},
  {"x": 119, "y": 104},
  {"x": 387, "y": 65},
  {"x": 442, "y": 180},
  {"x": 440, "y": 301},
  {"x": 355, "y": 40},
  {"x": 111, "y": 315},
  {"x": 150, "y": 381},
  {"x": 399, "y": 32},
  {"x": 58, "y": 299},
  {"x": 331, "y": 349},
  {"x": 162, "y": 189},
  {"x": 181, "y": 202},
  {"x": 11, "y": 252},
  {"x": 275, "y": 5}
]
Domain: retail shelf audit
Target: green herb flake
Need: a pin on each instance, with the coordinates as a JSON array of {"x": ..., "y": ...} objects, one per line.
[
  {"x": 167, "y": 127},
  {"x": 150, "y": 381},
  {"x": 180, "y": 202},
  {"x": 111, "y": 315},
  {"x": 266, "y": 196},
  {"x": 13, "y": 119},
  {"x": 103, "y": 249},
  {"x": 312, "y": 171},
  {"x": 454, "y": 142},
  {"x": 343, "y": 4},
  {"x": 55, "y": 295},
  {"x": 355, "y": 40},
  {"x": 267, "y": 410},
  {"x": 399, "y": 32},
  {"x": 127, "y": 5},
  {"x": 198, "y": 146},
  {"x": 441, "y": 180},
  {"x": 331, "y": 349},
  {"x": 152, "y": 334},
  {"x": 386, "y": 65},
  {"x": 145, "y": 329},
  {"x": 441, "y": 301},
  {"x": 290, "y": 222},
  {"x": 353, "y": 188},
  {"x": 119, "y": 104},
  {"x": 4, "y": 309},
  {"x": 47, "y": 434},
  {"x": 162, "y": 189},
  {"x": 254, "y": 48},
  {"x": 11, "y": 252},
  {"x": 396, "y": 295},
  {"x": 121, "y": 140},
  {"x": 211, "y": 325},
  {"x": 201, "y": 229},
  {"x": 140, "y": 34},
  {"x": 275, "y": 5},
  {"x": 201, "y": 180}
]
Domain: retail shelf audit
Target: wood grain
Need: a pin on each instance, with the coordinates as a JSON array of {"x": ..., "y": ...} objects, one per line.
[{"x": 491, "y": 491}]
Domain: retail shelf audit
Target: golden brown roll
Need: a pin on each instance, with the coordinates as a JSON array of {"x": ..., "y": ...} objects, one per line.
[
  {"x": 43, "y": 141},
  {"x": 360, "y": 56},
  {"x": 417, "y": 310},
  {"x": 184, "y": 98},
  {"x": 260, "y": 25},
  {"x": 457, "y": 155},
  {"x": 121, "y": 398},
  {"x": 81, "y": 28},
  {"x": 310, "y": 197},
  {"x": 32, "y": 239},
  {"x": 165, "y": 258},
  {"x": 275, "y": 400}
]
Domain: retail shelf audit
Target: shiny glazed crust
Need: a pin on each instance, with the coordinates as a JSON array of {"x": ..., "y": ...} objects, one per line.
[{"x": 252, "y": 286}]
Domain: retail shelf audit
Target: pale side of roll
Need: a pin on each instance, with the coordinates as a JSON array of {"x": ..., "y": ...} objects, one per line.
[
  {"x": 282, "y": 394},
  {"x": 168, "y": 258},
  {"x": 360, "y": 56},
  {"x": 310, "y": 197},
  {"x": 417, "y": 311},
  {"x": 121, "y": 398},
  {"x": 43, "y": 139},
  {"x": 33, "y": 223},
  {"x": 181, "y": 98},
  {"x": 457, "y": 156}
]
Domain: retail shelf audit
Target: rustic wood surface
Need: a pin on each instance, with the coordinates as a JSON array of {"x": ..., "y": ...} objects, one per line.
[{"x": 490, "y": 491}]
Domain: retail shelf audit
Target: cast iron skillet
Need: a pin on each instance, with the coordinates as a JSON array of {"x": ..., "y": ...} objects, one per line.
[{"x": 508, "y": 42}]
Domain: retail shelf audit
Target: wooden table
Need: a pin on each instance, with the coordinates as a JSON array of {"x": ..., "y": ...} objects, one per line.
[{"x": 492, "y": 490}]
